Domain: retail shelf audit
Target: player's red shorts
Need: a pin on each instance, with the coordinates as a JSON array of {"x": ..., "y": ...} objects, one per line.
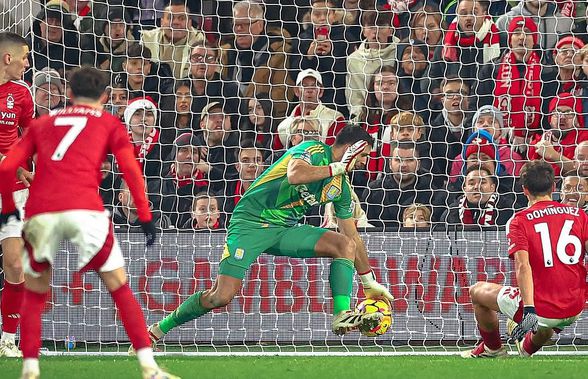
[
  {"x": 511, "y": 304},
  {"x": 90, "y": 231}
]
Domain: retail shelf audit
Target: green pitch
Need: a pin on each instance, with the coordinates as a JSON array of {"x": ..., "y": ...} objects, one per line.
[{"x": 368, "y": 367}]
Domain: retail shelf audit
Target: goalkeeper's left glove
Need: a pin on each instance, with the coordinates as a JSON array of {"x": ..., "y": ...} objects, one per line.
[
  {"x": 529, "y": 323},
  {"x": 5, "y": 217},
  {"x": 372, "y": 289}
]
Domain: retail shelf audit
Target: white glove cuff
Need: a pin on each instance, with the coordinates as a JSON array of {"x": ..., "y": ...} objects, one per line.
[{"x": 368, "y": 278}]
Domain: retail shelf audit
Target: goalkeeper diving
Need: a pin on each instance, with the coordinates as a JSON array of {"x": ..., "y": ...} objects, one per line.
[{"x": 266, "y": 220}]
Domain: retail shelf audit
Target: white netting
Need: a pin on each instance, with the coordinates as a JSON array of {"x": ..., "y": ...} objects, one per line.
[{"x": 230, "y": 82}]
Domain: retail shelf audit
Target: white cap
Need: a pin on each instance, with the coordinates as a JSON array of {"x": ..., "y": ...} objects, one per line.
[
  {"x": 137, "y": 104},
  {"x": 309, "y": 72}
]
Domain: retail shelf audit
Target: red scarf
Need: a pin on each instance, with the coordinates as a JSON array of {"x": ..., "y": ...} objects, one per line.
[
  {"x": 485, "y": 216},
  {"x": 84, "y": 11},
  {"x": 454, "y": 38},
  {"x": 181, "y": 181},
  {"x": 143, "y": 149},
  {"x": 519, "y": 99},
  {"x": 239, "y": 191}
]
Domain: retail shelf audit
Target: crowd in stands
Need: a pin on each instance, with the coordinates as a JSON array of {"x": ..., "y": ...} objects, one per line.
[{"x": 458, "y": 95}]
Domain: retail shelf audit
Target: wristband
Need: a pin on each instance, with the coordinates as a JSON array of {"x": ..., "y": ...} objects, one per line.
[
  {"x": 529, "y": 309},
  {"x": 336, "y": 168},
  {"x": 367, "y": 278}
]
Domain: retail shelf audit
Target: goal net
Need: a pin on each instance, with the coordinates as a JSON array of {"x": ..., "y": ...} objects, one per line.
[{"x": 445, "y": 88}]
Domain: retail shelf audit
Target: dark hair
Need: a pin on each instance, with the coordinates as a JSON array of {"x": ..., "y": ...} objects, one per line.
[
  {"x": 179, "y": 2},
  {"x": 372, "y": 111},
  {"x": 248, "y": 144},
  {"x": 88, "y": 82},
  {"x": 138, "y": 51},
  {"x": 455, "y": 79},
  {"x": 408, "y": 144},
  {"x": 9, "y": 39},
  {"x": 378, "y": 17},
  {"x": 485, "y": 169},
  {"x": 484, "y": 3},
  {"x": 351, "y": 134},
  {"x": 538, "y": 177}
]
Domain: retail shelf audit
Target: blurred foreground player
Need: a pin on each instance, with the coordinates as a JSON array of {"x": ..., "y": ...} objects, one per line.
[
  {"x": 547, "y": 242},
  {"x": 64, "y": 204},
  {"x": 16, "y": 112}
]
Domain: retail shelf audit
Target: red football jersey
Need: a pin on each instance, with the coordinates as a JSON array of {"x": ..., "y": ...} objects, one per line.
[
  {"x": 71, "y": 145},
  {"x": 555, "y": 237},
  {"x": 16, "y": 111}
]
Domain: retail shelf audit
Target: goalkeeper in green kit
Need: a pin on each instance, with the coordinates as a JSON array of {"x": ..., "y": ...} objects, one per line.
[{"x": 266, "y": 221}]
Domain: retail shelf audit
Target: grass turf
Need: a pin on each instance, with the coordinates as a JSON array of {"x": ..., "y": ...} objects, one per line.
[{"x": 438, "y": 367}]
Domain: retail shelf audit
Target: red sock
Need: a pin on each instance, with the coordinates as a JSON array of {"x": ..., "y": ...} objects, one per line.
[
  {"x": 12, "y": 296},
  {"x": 30, "y": 328},
  {"x": 491, "y": 339},
  {"x": 528, "y": 344},
  {"x": 131, "y": 316}
]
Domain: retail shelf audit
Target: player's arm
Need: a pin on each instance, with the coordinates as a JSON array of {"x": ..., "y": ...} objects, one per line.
[
  {"x": 8, "y": 168},
  {"x": 524, "y": 277},
  {"x": 371, "y": 288}
]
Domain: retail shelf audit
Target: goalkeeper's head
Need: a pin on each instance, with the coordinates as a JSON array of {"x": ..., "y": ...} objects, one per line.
[
  {"x": 88, "y": 85},
  {"x": 537, "y": 179},
  {"x": 349, "y": 135}
]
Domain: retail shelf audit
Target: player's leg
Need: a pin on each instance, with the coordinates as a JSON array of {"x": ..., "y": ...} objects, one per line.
[
  {"x": 12, "y": 294},
  {"x": 484, "y": 297}
]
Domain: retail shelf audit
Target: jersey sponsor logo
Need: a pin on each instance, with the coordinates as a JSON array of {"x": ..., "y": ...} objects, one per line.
[
  {"x": 9, "y": 101},
  {"x": 8, "y": 115},
  {"x": 305, "y": 194},
  {"x": 239, "y": 253}
]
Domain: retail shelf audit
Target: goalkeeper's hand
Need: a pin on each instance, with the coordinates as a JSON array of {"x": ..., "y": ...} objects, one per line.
[
  {"x": 5, "y": 217},
  {"x": 529, "y": 323},
  {"x": 374, "y": 290},
  {"x": 347, "y": 163},
  {"x": 149, "y": 231}
]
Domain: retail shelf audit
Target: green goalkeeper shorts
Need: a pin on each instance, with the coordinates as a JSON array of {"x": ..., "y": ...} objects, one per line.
[{"x": 246, "y": 242}]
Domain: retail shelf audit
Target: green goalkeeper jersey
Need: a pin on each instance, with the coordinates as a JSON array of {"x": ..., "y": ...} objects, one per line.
[{"x": 271, "y": 200}]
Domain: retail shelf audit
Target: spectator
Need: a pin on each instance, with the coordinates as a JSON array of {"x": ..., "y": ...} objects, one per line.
[
  {"x": 557, "y": 145},
  {"x": 110, "y": 181},
  {"x": 406, "y": 184},
  {"x": 54, "y": 39},
  {"x": 176, "y": 117},
  {"x": 377, "y": 50},
  {"x": 88, "y": 16},
  {"x": 514, "y": 85},
  {"x": 574, "y": 190},
  {"x": 413, "y": 63},
  {"x": 567, "y": 74},
  {"x": 249, "y": 165},
  {"x": 205, "y": 213},
  {"x": 580, "y": 162},
  {"x": 426, "y": 24},
  {"x": 187, "y": 175},
  {"x": 125, "y": 213},
  {"x": 309, "y": 89},
  {"x": 141, "y": 117},
  {"x": 416, "y": 216},
  {"x": 48, "y": 91},
  {"x": 471, "y": 40},
  {"x": 450, "y": 129},
  {"x": 302, "y": 129},
  {"x": 257, "y": 58},
  {"x": 583, "y": 85},
  {"x": 171, "y": 43},
  {"x": 219, "y": 142},
  {"x": 546, "y": 15},
  {"x": 490, "y": 120},
  {"x": 323, "y": 47},
  {"x": 206, "y": 82},
  {"x": 142, "y": 77},
  {"x": 259, "y": 121},
  {"x": 119, "y": 99},
  {"x": 480, "y": 204},
  {"x": 107, "y": 48}
]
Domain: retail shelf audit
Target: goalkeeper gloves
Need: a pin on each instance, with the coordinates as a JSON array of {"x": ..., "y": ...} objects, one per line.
[
  {"x": 372, "y": 289},
  {"x": 5, "y": 217},
  {"x": 529, "y": 323},
  {"x": 149, "y": 231},
  {"x": 348, "y": 161}
]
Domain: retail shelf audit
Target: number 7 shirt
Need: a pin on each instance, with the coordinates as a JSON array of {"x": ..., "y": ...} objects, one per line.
[
  {"x": 555, "y": 237},
  {"x": 71, "y": 145}
]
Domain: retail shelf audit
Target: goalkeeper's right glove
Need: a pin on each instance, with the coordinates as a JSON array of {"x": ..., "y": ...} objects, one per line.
[
  {"x": 149, "y": 231},
  {"x": 529, "y": 323},
  {"x": 348, "y": 161},
  {"x": 5, "y": 217}
]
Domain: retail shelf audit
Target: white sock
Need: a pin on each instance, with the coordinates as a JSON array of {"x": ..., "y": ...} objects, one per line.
[
  {"x": 7, "y": 337},
  {"x": 30, "y": 365},
  {"x": 145, "y": 356}
]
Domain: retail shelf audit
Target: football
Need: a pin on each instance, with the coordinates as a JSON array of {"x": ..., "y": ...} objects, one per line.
[{"x": 377, "y": 305}]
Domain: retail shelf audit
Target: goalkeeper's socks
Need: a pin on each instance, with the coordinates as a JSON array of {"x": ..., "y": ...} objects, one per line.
[
  {"x": 12, "y": 296},
  {"x": 132, "y": 317},
  {"x": 491, "y": 339},
  {"x": 341, "y": 283},
  {"x": 30, "y": 327},
  {"x": 528, "y": 346},
  {"x": 187, "y": 311}
]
